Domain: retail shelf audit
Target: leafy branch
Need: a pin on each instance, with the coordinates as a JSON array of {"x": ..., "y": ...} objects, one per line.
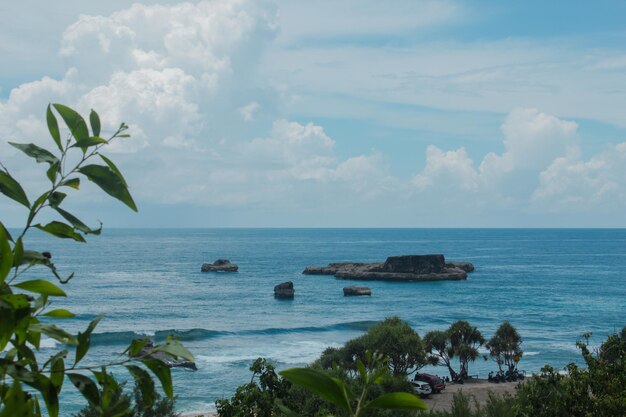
[{"x": 20, "y": 312}]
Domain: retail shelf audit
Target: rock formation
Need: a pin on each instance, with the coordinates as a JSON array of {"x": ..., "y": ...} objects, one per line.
[
  {"x": 352, "y": 290},
  {"x": 284, "y": 290},
  {"x": 397, "y": 268},
  {"x": 221, "y": 265}
]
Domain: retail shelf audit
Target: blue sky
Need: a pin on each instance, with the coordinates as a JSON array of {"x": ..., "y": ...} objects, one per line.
[{"x": 333, "y": 114}]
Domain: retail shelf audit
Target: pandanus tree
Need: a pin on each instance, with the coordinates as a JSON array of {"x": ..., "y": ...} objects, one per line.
[
  {"x": 505, "y": 346},
  {"x": 460, "y": 341}
]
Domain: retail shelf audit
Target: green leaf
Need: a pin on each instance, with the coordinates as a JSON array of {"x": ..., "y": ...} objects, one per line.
[
  {"x": 18, "y": 252},
  {"x": 60, "y": 313},
  {"x": 53, "y": 128},
  {"x": 6, "y": 255},
  {"x": 72, "y": 183},
  {"x": 57, "y": 372},
  {"x": 13, "y": 189},
  {"x": 136, "y": 346},
  {"x": 6, "y": 232},
  {"x": 113, "y": 168},
  {"x": 174, "y": 348},
  {"x": 56, "y": 198},
  {"x": 319, "y": 383},
  {"x": 14, "y": 317},
  {"x": 94, "y": 120},
  {"x": 162, "y": 372},
  {"x": 86, "y": 386},
  {"x": 53, "y": 171},
  {"x": 110, "y": 183},
  {"x": 16, "y": 402},
  {"x": 397, "y": 401},
  {"x": 88, "y": 142},
  {"x": 74, "y": 122},
  {"x": 145, "y": 384},
  {"x": 77, "y": 223},
  {"x": 55, "y": 332},
  {"x": 84, "y": 339},
  {"x": 361, "y": 368},
  {"x": 41, "y": 286},
  {"x": 48, "y": 392},
  {"x": 61, "y": 230},
  {"x": 34, "y": 151}
]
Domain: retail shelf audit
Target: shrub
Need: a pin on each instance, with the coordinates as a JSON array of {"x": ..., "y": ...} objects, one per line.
[
  {"x": 24, "y": 303},
  {"x": 393, "y": 338}
]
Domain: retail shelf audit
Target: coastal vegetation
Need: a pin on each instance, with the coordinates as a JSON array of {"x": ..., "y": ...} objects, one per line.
[
  {"x": 26, "y": 313},
  {"x": 599, "y": 389}
]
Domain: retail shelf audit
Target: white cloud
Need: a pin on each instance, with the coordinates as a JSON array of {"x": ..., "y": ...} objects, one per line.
[
  {"x": 571, "y": 183},
  {"x": 247, "y": 112},
  {"x": 452, "y": 170}
]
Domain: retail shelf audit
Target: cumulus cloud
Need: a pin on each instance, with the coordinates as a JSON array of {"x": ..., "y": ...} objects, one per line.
[
  {"x": 189, "y": 80},
  {"x": 571, "y": 183},
  {"x": 451, "y": 169},
  {"x": 541, "y": 168},
  {"x": 178, "y": 74}
]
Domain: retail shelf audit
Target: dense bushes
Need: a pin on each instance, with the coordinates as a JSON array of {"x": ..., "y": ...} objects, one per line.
[
  {"x": 599, "y": 390},
  {"x": 392, "y": 338},
  {"x": 137, "y": 404}
]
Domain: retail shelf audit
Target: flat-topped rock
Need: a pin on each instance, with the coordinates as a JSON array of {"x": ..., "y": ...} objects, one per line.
[
  {"x": 221, "y": 265},
  {"x": 356, "y": 291},
  {"x": 284, "y": 290},
  {"x": 397, "y": 268}
]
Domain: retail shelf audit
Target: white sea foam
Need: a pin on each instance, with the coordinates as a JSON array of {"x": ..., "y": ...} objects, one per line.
[
  {"x": 531, "y": 353},
  {"x": 47, "y": 343}
]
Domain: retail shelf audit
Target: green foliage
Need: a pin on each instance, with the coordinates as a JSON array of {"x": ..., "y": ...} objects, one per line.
[
  {"x": 25, "y": 312},
  {"x": 598, "y": 391},
  {"x": 504, "y": 347},
  {"x": 258, "y": 397},
  {"x": 460, "y": 341},
  {"x": 337, "y": 390},
  {"x": 135, "y": 405},
  {"x": 392, "y": 338}
]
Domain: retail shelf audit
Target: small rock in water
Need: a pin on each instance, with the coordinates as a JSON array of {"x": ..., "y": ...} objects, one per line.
[
  {"x": 221, "y": 265},
  {"x": 284, "y": 290},
  {"x": 352, "y": 290}
]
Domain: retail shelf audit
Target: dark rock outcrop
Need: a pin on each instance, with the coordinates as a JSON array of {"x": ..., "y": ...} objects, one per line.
[
  {"x": 284, "y": 290},
  {"x": 221, "y": 265},
  {"x": 397, "y": 268},
  {"x": 168, "y": 360},
  {"x": 352, "y": 290},
  {"x": 465, "y": 266}
]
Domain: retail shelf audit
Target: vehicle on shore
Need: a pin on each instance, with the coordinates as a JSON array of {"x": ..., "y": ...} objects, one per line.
[
  {"x": 422, "y": 388},
  {"x": 436, "y": 383}
]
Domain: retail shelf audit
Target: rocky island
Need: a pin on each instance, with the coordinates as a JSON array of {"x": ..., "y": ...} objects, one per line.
[
  {"x": 221, "y": 265},
  {"x": 397, "y": 268}
]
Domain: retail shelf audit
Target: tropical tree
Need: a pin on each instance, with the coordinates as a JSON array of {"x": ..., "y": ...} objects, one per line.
[
  {"x": 25, "y": 313},
  {"x": 437, "y": 345},
  {"x": 393, "y": 338},
  {"x": 465, "y": 340},
  {"x": 460, "y": 341},
  {"x": 505, "y": 346}
]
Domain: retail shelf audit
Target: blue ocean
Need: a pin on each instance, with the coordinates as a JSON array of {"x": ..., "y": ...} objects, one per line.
[{"x": 553, "y": 285}]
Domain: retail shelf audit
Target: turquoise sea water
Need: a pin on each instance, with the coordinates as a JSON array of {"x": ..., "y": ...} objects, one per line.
[{"x": 552, "y": 285}]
